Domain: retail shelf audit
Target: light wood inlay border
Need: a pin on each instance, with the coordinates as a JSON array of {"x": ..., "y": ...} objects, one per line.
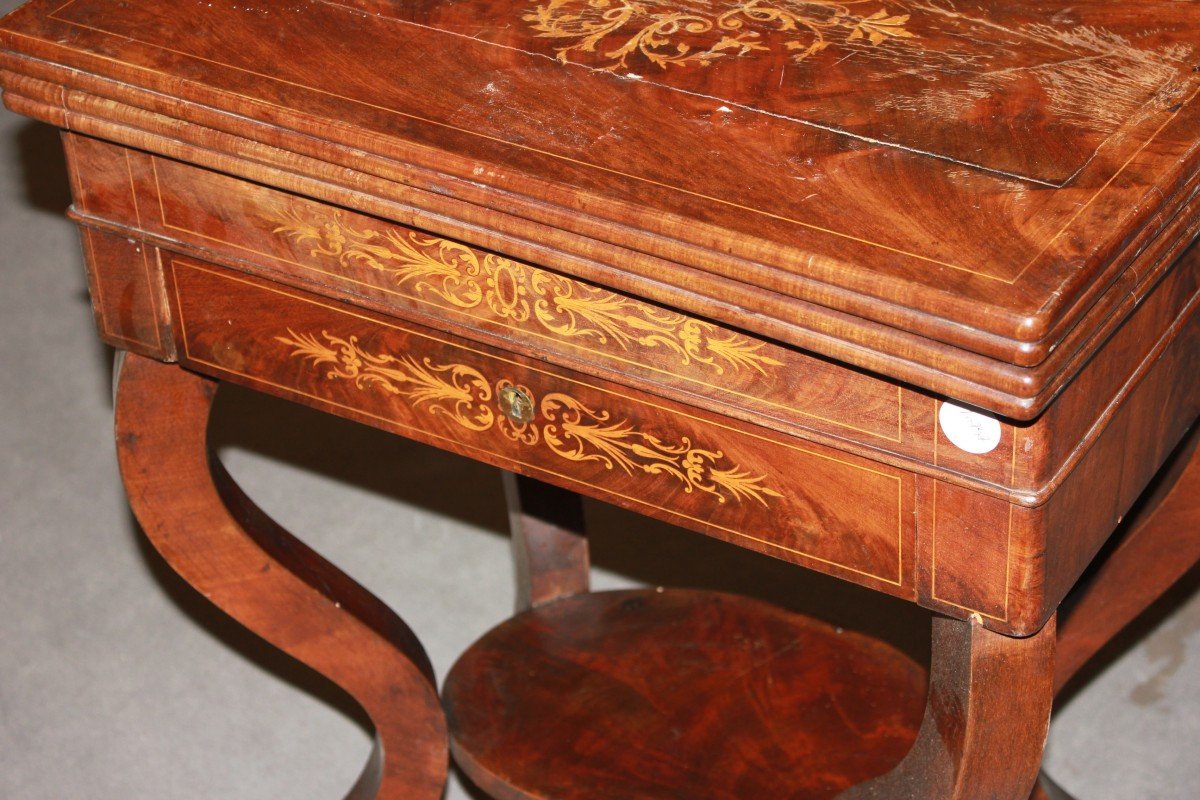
[{"x": 934, "y": 562}]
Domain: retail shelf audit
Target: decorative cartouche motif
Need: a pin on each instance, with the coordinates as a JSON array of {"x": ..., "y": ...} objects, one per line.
[
  {"x": 698, "y": 33},
  {"x": 568, "y": 427},
  {"x": 454, "y": 275}
]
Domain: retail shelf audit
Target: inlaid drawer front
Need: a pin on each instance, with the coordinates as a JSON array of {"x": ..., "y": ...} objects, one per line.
[
  {"x": 798, "y": 501},
  {"x": 537, "y": 310}
]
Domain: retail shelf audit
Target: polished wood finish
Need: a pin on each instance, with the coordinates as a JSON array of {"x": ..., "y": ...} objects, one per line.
[
  {"x": 985, "y": 721},
  {"x": 127, "y": 297},
  {"x": 1002, "y": 570},
  {"x": 843, "y": 514},
  {"x": 227, "y": 549},
  {"x": 978, "y": 554},
  {"x": 646, "y": 694},
  {"x": 366, "y": 259},
  {"x": 726, "y": 265},
  {"x": 1161, "y": 545},
  {"x": 973, "y": 231},
  {"x": 403, "y": 269},
  {"x": 549, "y": 545}
]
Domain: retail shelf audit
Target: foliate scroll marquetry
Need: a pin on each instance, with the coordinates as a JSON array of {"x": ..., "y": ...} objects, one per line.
[
  {"x": 456, "y": 390},
  {"x": 577, "y": 432},
  {"x": 606, "y": 33},
  {"x": 566, "y": 426},
  {"x": 456, "y": 276}
]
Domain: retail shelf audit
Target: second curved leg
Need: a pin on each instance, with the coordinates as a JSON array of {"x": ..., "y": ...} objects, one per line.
[
  {"x": 1160, "y": 546},
  {"x": 228, "y": 550},
  {"x": 549, "y": 543},
  {"x": 985, "y": 720}
]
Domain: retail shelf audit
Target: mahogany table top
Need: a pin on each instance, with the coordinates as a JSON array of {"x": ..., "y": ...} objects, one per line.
[{"x": 963, "y": 196}]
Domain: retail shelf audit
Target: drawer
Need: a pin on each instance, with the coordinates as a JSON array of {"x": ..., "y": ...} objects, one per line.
[{"x": 747, "y": 484}]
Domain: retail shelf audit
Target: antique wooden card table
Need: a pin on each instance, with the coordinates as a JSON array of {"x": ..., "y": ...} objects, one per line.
[{"x": 896, "y": 291}]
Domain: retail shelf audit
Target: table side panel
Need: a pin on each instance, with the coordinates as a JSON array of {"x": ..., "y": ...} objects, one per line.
[
  {"x": 390, "y": 266},
  {"x": 101, "y": 177},
  {"x": 1035, "y": 458},
  {"x": 966, "y": 551},
  {"x": 124, "y": 276},
  {"x": 538, "y": 309},
  {"x": 1062, "y": 434},
  {"x": 363, "y": 254},
  {"x": 1006, "y": 464},
  {"x": 793, "y": 499},
  {"x": 740, "y": 446},
  {"x": 1012, "y": 565},
  {"x": 1094, "y": 498}
]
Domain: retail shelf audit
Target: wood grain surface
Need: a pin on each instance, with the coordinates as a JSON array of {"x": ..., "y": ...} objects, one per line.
[
  {"x": 723, "y": 263},
  {"x": 1159, "y": 546},
  {"x": 969, "y": 548},
  {"x": 986, "y": 719},
  {"x": 646, "y": 694},
  {"x": 550, "y": 547},
  {"x": 747, "y": 484},
  {"x": 960, "y": 197},
  {"x": 249, "y": 567},
  {"x": 482, "y": 295}
]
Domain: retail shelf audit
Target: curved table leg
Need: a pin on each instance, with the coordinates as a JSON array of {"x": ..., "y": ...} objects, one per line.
[
  {"x": 1135, "y": 574},
  {"x": 985, "y": 720},
  {"x": 549, "y": 544},
  {"x": 254, "y": 570}
]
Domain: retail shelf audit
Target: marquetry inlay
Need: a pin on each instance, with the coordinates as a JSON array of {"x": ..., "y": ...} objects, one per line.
[
  {"x": 567, "y": 427},
  {"x": 606, "y": 33},
  {"x": 518, "y": 295}
]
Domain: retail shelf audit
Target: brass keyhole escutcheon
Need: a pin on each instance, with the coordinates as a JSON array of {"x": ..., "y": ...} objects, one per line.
[{"x": 516, "y": 404}]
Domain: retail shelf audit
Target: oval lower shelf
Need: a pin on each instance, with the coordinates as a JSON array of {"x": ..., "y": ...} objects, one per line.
[{"x": 678, "y": 694}]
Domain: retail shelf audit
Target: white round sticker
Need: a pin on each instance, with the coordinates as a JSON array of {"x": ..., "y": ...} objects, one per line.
[{"x": 969, "y": 430}]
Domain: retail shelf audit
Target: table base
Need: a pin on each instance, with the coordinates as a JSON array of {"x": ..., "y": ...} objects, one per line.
[{"x": 565, "y": 671}]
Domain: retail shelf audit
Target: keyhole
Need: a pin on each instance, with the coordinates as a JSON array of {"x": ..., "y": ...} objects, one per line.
[{"x": 516, "y": 404}]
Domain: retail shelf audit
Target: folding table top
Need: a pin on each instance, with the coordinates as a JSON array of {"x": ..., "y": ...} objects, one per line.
[{"x": 963, "y": 195}]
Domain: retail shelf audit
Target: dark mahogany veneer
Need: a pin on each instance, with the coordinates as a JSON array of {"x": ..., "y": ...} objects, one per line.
[{"x": 900, "y": 292}]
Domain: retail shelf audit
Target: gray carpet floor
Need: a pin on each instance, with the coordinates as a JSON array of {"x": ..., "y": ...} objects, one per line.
[{"x": 117, "y": 682}]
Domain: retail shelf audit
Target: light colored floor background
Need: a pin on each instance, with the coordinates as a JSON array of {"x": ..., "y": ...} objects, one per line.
[{"x": 116, "y": 682}]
